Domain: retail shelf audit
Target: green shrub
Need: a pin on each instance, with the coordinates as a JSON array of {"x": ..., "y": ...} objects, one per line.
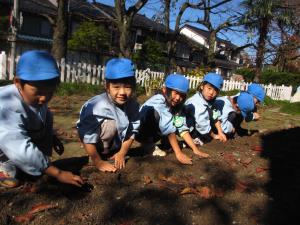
[
  {"x": 5, "y": 82},
  {"x": 86, "y": 89},
  {"x": 247, "y": 73},
  {"x": 229, "y": 93},
  {"x": 78, "y": 89},
  {"x": 280, "y": 78}
]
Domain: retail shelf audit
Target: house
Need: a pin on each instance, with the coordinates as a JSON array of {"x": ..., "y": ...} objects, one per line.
[
  {"x": 225, "y": 60},
  {"x": 36, "y": 31}
]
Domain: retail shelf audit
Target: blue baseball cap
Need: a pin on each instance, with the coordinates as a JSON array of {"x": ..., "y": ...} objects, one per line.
[
  {"x": 257, "y": 91},
  {"x": 214, "y": 79},
  {"x": 118, "y": 68},
  {"x": 245, "y": 103},
  {"x": 37, "y": 65},
  {"x": 177, "y": 82}
]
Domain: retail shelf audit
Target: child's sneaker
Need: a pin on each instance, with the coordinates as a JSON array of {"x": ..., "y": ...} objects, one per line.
[
  {"x": 7, "y": 175},
  {"x": 7, "y": 181},
  {"x": 158, "y": 152},
  {"x": 197, "y": 141}
]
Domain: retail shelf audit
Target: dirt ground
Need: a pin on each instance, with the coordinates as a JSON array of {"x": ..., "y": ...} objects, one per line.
[{"x": 252, "y": 179}]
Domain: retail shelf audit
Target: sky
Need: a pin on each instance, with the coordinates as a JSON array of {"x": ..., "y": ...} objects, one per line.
[{"x": 154, "y": 7}]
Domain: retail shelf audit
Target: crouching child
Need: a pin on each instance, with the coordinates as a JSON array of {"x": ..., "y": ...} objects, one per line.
[
  {"x": 162, "y": 118},
  {"x": 26, "y": 134},
  {"x": 202, "y": 117},
  {"x": 108, "y": 122},
  {"x": 234, "y": 110}
]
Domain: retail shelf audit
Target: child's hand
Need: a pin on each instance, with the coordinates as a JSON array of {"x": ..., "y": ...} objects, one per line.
[
  {"x": 119, "y": 160},
  {"x": 105, "y": 166},
  {"x": 222, "y": 137},
  {"x": 57, "y": 145},
  {"x": 69, "y": 178},
  {"x": 255, "y": 116},
  {"x": 183, "y": 158},
  {"x": 201, "y": 154}
]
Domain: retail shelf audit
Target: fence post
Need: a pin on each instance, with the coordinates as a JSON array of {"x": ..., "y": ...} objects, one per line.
[
  {"x": 62, "y": 69},
  {"x": 3, "y": 61}
]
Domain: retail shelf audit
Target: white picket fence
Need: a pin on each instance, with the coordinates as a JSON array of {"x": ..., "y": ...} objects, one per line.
[{"x": 94, "y": 74}]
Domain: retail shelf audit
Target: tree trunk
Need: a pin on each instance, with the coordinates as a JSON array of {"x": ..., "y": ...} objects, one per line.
[
  {"x": 211, "y": 49},
  {"x": 263, "y": 31},
  {"x": 125, "y": 45},
  {"x": 60, "y": 36}
]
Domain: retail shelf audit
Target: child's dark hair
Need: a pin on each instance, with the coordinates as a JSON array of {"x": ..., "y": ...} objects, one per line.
[
  {"x": 127, "y": 80},
  {"x": 51, "y": 82},
  {"x": 178, "y": 107},
  {"x": 204, "y": 83}
]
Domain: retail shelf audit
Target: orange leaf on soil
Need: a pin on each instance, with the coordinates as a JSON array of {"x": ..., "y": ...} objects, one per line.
[
  {"x": 41, "y": 207},
  {"x": 147, "y": 180},
  {"x": 188, "y": 190},
  {"x": 241, "y": 186},
  {"x": 260, "y": 169},
  {"x": 26, "y": 218},
  {"x": 205, "y": 192},
  {"x": 257, "y": 148}
]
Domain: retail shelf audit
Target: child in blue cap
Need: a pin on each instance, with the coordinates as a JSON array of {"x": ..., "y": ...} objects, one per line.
[
  {"x": 233, "y": 111},
  {"x": 202, "y": 118},
  {"x": 162, "y": 118},
  {"x": 108, "y": 122},
  {"x": 258, "y": 94},
  {"x": 26, "y": 135}
]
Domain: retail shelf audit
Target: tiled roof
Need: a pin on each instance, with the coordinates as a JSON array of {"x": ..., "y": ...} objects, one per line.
[
  {"x": 205, "y": 34},
  {"x": 33, "y": 6}
]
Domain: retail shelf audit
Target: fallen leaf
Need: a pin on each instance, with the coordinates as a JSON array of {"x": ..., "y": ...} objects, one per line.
[
  {"x": 26, "y": 218},
  {"x": 241, "y": 186},
  {"x": 257, "y": 148},
  {"x": 261, "y": 169},
  {"x": 188, "y": 190},
  {"x": 205, "y": 193},
  {"x": 147, "y": 180}
]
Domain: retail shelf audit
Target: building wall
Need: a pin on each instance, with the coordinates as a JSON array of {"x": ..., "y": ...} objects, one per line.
[{"x": 195, "y": 37}]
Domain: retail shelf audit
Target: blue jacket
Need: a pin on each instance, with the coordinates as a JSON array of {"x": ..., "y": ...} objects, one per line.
[
  {"x": 101, "y": 107},
  {"x": 200, "y": 113},
  {"x": 166, "y": 118},
  {"x": 224, "y": 106},
  {"x": 25, "y": 132}
]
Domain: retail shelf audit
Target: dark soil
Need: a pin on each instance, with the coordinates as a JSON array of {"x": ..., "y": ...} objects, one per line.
[{"x": 249, "y": 180}]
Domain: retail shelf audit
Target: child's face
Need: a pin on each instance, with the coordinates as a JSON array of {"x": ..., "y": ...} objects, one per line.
[
  {"x": 119, "y": 92},
  {"x": 256, "y": 102},
  {"x": 34, "y": 94},
  {"x": 175, "y": 98},
  {"x": 209, "y": 92}
]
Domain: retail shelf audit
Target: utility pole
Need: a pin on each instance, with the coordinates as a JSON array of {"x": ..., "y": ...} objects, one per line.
[{"x": 13, "y": 38}]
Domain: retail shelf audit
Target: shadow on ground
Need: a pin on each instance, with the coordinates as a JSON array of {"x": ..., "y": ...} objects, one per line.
[{"x": 282, "y": 149}]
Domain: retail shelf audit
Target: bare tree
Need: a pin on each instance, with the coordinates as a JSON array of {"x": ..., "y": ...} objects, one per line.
[
  {"x": 172, "y": 36},
  {"x": 205, "y": 21},
  {"x": 60, "y": 36},
  {"x": 124, "y": 19}
]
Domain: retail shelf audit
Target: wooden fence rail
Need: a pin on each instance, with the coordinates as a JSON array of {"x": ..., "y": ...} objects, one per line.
[{"x": 94, "y": 74}]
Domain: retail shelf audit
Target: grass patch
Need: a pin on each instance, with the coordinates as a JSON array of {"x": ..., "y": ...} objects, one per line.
[
  {"x": 66, "y": 89},
  {"x": 291, "y": 108},
  {"x": 5, "y": 82},
  {"x": 285, "y": 106}
]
